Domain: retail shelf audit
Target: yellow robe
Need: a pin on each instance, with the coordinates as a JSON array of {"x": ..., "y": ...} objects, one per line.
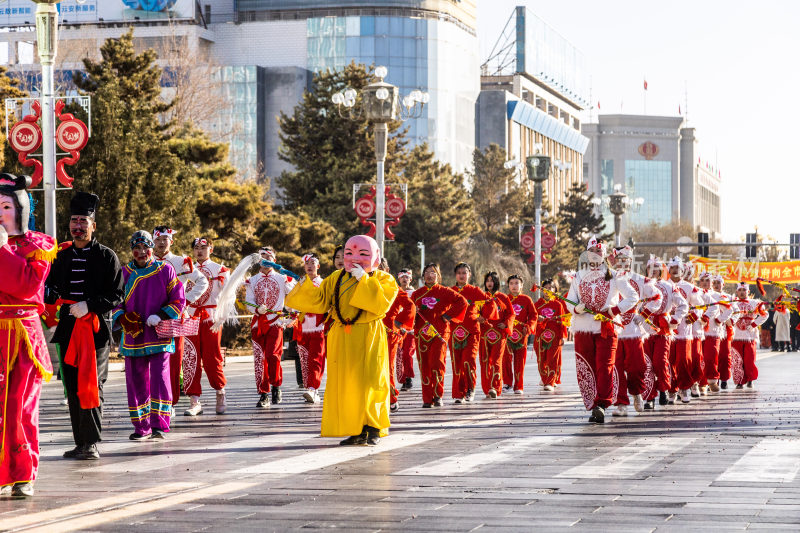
[{"x": 357, "y": 391}]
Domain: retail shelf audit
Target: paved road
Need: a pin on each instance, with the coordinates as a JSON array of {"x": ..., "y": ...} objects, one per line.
[{"x": 724, "y": 463}]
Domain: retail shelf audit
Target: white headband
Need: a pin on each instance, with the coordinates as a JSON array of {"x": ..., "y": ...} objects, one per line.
[
  {"x": 166, "y": 233},
  {"x": 310, "y": 257},
  {"x": 676, "y": 262}
]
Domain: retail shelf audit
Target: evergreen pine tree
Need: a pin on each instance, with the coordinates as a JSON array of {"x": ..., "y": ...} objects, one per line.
[{"x": 9, "y": 88}]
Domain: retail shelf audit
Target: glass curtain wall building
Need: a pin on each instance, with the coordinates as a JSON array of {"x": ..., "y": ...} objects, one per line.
[{"x": 433, "y": 55}]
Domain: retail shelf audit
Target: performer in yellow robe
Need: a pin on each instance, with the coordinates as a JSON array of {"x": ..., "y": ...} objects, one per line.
[{"x": 356, "y": 298}]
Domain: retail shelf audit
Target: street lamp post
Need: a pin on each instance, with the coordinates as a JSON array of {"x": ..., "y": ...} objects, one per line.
[
  {"x": 380, "y": 103},
  {"x": 47, "y": 43},
  {"x": 538, "y": 171},
  {"x": 618, "y": 203}
]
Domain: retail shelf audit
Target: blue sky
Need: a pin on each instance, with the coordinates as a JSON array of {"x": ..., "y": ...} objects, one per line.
[{"x": 738, "y": 61}]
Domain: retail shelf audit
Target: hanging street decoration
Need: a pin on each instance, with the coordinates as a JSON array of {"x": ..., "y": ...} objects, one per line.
[
  {"x": 366, "y": 208},
  {"x": 25, "y": 137}
]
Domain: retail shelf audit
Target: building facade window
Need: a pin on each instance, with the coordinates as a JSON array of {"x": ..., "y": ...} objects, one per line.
[{"x": 651, "y": 180}]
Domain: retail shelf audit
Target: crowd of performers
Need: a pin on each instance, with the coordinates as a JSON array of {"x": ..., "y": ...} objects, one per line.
[{"x": 655, "y": 338}]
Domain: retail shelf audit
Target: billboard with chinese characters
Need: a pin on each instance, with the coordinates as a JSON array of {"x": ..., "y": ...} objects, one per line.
[{"x": 21, "y": 12}]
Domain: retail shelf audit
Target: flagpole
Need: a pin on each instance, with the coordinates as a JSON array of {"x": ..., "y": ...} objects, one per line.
[{"x": 645, "y": 95}]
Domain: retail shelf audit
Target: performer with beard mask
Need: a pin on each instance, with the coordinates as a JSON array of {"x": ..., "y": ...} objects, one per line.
[{"x": 86, "y": 279}]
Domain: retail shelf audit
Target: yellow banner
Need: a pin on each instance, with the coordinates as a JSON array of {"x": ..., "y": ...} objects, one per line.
[{"x": 734, "y": 271}]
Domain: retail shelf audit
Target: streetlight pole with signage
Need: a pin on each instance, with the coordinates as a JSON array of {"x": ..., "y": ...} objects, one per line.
[
  {"x": 47, "y": 43},
  {"x": 380, "y": 103},
  {"x": 538, "y": 167}
]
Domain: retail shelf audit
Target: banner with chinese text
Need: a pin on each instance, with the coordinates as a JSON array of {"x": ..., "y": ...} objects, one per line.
[{"x": 734, "y": 271}]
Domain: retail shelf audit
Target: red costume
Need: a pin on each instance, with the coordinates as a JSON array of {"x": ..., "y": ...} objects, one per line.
[
  {"x": 399, "y": 317},
  {"x": 493, "y": 343},
  {"x": 657, "y": 345},
  {"x": 516, "y": 351},
  {"x": 549, "y": 338},
  {"x": 749, "y": 314},
  {"x": 465, "y": 339},
  {"x": 24, "y": 360},
  {"x": 432, "y": 332}
]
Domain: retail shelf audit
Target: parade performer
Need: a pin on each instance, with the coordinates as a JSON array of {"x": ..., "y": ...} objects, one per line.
[
  {"x": 86, "y": 279},
  {"x": 204, "y": 351},
  {"x": 310, "y": 336},
  {"x": 493, "y": 337},
  {"x": 550, "y": 334},
  {"x": 597, "y": 295},
  {"x": 194, "y": 285},
  {"x": 266, "y": 291},
  {"x": 725, "y": 335},
  {"x": 399, "y": 321},
  {"x": 662, "y": 323},
  {"x": 698, "y": 298},
  {"x": 682, "y": 349},
  {"x": 407, "y": 352},
  {"x": 152, "y": 294},
  {"x": 357, "y": 298},
  {"x": 525, "y": 320},
  {"x": 717, "y": 313},
  {"x": 781, "y": 319},
  {"x": 25, "y": 258},
  {"x": 437, "y": 306},
  {"x": 750, "y": 313},
  {"x": 634, "y": 368},
  {"x": 465, "y": 337}
]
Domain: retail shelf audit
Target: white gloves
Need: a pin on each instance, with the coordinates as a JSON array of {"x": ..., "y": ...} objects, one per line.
[
  {"x": 153, "y": 320},
  {"x": 638, "y": 320},
  {"x": 3, "y": 236},
  {"x": 79, "y": 309},
  {"x": 580, "y": 309},
  {"x": 357, "y": 271},
  {"x": 262, "y": 309}
]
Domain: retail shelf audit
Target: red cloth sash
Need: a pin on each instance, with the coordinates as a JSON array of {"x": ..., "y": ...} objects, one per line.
[{"x": 81, "y": 354}]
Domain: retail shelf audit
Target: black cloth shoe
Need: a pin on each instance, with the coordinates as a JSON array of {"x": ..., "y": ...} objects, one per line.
[
  {"x": 427, "y": 405},
  {"x": 158, "y": 435},
  {"x": 599, "y": 415},
  {"x": 73, "y": 453},
  {"x": 137, "y": 436},
  {"x": 277, "y": 396},
  {"x": 88, "y": 453},
  {"x": 393, "y": 407},
  {"x": 407, "y": 384},
  {"x": 373, "y": 436},
  {"x": 723, "y": 385},
  {"x": 356, "y": 440},
  {"x": 263, "y": 401},
  {"x": 662, "y": 398},
  {"x": 437, "y": 402},
  {"x": 650, "y": 405}
]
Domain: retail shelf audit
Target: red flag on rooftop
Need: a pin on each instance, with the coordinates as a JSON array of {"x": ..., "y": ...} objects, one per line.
[
  {"x": 598, "y": 104},
  {"x": 645, "y": 85}
]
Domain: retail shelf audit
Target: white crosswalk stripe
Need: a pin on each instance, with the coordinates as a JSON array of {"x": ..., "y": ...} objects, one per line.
[
  {"x": 627, "y": 461},
  {"x": 215, "y": 451},
  {"x": 771, "y": 460},
  {"x": 306, "y": 462},
  {"x": 55, "y": 450},
  {"x": 485, "y": 456}
]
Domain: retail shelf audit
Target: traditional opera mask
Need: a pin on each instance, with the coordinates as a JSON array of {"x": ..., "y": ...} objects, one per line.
[
  {"x": 14, "y": 203},
  {"x": 361, "y": 250}
]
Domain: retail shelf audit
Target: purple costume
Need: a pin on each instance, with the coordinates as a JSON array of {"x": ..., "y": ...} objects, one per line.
[{"x": 150, "y": 290}]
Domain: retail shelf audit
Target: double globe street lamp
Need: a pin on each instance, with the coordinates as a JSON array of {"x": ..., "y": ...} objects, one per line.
[
  {"x": 380, "y": 104},
  {"x": 618, "y": 204}
]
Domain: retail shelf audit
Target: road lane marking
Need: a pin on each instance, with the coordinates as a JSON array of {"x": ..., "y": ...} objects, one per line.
[
  {"x": 306, "y": 462},
  {"x": 771, "y": 460},
  {"x": 628, "y": 460},
  {"x": 171, "y": 458},
  {"x": 485, "y": 455}
]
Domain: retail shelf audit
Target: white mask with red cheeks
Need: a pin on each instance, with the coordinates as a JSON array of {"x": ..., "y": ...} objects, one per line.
[
  {"x": 361, "y": 250},
  {"x": 8, "y": 215}
]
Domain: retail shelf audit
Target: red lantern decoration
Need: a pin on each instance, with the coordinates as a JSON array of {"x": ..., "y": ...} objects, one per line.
[
  {"x": 72, "y": 136},
  {"x": 25, "y": 137}
]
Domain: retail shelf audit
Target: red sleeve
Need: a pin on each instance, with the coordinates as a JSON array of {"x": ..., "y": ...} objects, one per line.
[
  {"x": 28, "y": 276},
  {"x": 533, "y": 316},
  {"x": 456, "y": 305},
  {"x": 406, "y": 316}
]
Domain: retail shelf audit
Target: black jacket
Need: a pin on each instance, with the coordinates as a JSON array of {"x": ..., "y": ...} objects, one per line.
[{"x": 103, "y": 289}]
